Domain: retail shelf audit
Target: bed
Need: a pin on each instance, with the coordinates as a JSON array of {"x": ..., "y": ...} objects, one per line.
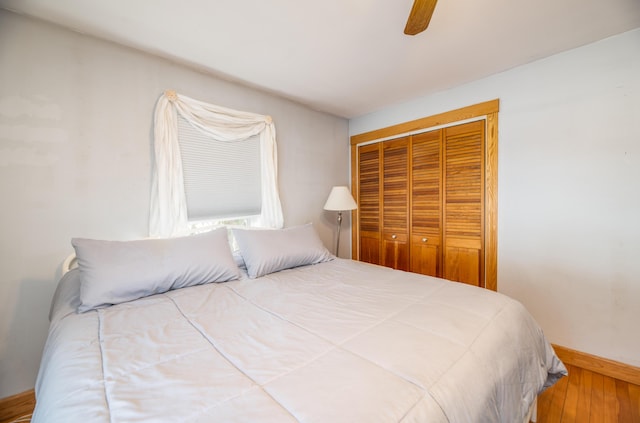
[{"x": 294, "y": 334}]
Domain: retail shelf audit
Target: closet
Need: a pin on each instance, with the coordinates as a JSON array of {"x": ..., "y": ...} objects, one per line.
[{"x": 426, "y": 201}]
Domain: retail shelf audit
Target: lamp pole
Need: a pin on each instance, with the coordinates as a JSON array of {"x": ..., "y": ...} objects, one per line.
[{"x": 338, "y": 240}]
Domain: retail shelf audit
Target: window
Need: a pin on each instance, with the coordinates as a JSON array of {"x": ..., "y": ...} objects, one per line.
[
  {"x": 213, "y": 165},
  {"x": 222, "y": 180}
]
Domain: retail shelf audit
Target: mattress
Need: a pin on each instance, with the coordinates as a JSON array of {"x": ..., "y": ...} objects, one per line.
[{"x": 341, "y": 341}]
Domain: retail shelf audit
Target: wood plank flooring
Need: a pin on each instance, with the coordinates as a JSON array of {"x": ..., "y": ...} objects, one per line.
[
  {"x": 582, "y": 397},
  {"x": 17, "y": 408},
  {"x": 585, "y": 397}
]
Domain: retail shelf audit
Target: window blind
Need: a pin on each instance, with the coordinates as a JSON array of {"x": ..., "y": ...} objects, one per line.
[{"x": 221, "y": 179}]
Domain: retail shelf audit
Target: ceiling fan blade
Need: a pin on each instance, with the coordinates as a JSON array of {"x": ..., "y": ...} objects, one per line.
[{"x": 420, "y": 16}]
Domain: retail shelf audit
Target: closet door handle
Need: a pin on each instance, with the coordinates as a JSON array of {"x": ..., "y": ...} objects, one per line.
[
  {"x": 424, "y": 239},
  {"x": 394, "y": 236}
]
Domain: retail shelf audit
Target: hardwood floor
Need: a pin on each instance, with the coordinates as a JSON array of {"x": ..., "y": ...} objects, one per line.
[
  {"x": 17, "y": 408},
  {"x": 585, "y": 396},
  {"x": 582, "y": 397}
]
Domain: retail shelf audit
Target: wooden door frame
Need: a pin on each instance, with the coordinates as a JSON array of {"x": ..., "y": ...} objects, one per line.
[{"x": 487, "y": 110}]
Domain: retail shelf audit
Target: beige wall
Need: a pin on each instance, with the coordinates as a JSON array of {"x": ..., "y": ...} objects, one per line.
[
  {"x": 568, "y": 189},
  {"x": 75, "y": 160}
]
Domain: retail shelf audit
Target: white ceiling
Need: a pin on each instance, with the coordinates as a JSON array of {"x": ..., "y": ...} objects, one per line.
[{"x": 345, "y": 57}]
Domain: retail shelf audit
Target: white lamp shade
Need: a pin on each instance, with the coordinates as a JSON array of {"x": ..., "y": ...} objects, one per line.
[{"x": 340, "y": 199}]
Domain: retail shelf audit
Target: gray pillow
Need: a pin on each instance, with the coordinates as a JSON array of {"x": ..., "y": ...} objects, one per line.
[
  {"x": 117, "y": 271},
  {"x": 268, "y": 251}
]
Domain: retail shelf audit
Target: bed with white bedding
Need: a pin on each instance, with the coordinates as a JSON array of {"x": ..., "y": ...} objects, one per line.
[{"x": 332, "y": 340}]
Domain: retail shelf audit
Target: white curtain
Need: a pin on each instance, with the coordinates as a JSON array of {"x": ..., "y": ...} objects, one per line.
[{"x": 168, "y": 201}]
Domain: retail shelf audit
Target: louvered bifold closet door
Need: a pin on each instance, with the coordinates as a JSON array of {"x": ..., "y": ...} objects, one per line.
[
  {"x": 395, "y": 202},
  {"x": 426, "y": 203},
  {"x": 464, "y": 203},
  {"x": 369, "y": 184}
]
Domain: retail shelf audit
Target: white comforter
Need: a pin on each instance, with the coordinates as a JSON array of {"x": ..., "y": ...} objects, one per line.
[{"x": 341, "y": 341}]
